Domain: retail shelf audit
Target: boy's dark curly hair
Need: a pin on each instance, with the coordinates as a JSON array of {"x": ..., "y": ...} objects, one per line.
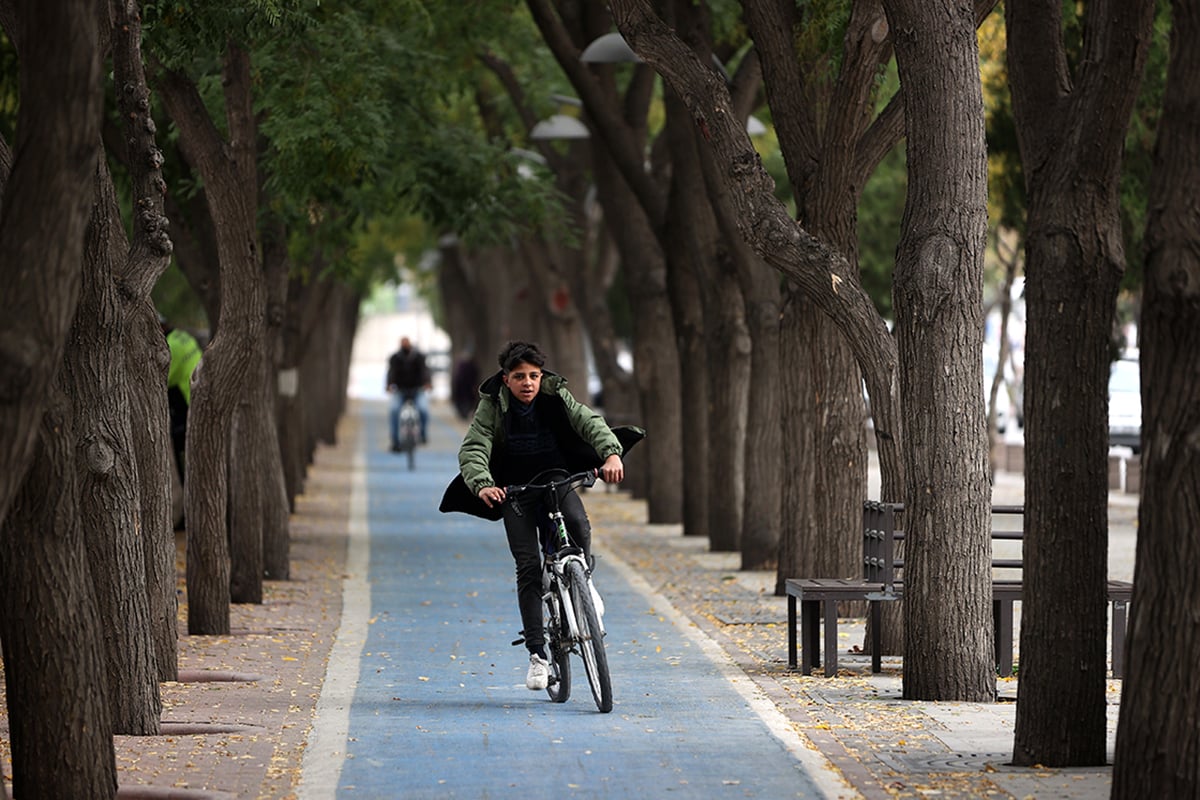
[{"x": 516, "y": 352}]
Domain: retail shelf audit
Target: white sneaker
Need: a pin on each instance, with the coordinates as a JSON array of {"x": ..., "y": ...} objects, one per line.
[
  {"x": 596, "y": 601},
  {"x": 538, "y": 676}
]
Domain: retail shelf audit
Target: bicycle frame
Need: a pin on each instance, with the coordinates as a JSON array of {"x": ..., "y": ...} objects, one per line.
[{"x": 572, "y": 627}]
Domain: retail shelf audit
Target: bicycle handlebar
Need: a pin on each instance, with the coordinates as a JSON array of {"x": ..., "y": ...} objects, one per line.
[{"x": 583, "y": 479}]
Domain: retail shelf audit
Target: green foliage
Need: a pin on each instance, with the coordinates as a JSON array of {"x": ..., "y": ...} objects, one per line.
[
  {"x": 821, "y": 35},
  {"x": 191, "y": 36}
]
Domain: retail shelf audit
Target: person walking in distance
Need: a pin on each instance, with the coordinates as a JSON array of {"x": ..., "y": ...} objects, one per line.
[
  {"x": 527, "y": 421},
  {"x": 407, "y": 379}
]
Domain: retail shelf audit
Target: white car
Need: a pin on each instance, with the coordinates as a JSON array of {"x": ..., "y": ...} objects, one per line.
[{"x": 1125, "y": 405}]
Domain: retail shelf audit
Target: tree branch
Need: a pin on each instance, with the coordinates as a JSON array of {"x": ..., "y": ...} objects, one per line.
[{"x": 762, "y": 220}]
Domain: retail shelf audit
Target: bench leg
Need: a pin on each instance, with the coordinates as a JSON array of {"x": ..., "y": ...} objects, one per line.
[
  {"x": 830, "y": 638},
  {"x": 791, "y": 634},
  {"x": 876, "y": 636},
  {"x": 1002, "y": 619},
  {"x": 810, "y": 636},
  {"x": 1120, "y": 612}
]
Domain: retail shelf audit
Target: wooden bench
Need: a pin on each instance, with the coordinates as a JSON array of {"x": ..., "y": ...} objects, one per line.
[{"x": 818, "y": 598}]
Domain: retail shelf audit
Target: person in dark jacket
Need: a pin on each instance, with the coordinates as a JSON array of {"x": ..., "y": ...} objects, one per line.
[
  {"x": 527, "y": 422},
  {"x": 407, "y": 379}
]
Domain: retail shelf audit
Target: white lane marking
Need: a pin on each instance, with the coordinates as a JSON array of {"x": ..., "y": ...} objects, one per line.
[{"x": 326, "y": 749}]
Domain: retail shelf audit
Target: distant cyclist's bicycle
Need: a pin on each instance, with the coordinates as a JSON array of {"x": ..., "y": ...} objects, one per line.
[
  {"x": 573, "y": 623},
  {"x": 409, "y": 429}
]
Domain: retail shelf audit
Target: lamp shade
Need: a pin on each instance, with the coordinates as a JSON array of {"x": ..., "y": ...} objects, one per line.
[
  {"x": 610, "y": 48},
  {"x": 559, "y": 126}
]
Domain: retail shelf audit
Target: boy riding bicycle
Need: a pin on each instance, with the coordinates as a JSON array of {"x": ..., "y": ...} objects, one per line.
[{"x": 527, "y": 421}]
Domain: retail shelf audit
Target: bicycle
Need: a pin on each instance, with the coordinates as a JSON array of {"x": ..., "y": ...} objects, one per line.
[
  {"x": 409, "y": 429},
  {"x": 573, "y": 623}
]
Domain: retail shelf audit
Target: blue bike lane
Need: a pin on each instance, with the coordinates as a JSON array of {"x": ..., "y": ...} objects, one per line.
[{"x": 429, "y": 696}]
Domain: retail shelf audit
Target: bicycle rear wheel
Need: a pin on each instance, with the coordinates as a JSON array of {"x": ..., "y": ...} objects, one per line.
[
  {"x": 591, "y": 643},
  {"x": 558, "y": 648}
]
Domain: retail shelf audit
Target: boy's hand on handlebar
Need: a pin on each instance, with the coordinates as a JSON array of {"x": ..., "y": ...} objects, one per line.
[
  {"x": 491, "y": 496},
  {"x": 613, "y": 469}
]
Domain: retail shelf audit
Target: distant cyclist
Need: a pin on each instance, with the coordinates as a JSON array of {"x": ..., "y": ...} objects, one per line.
[
  {"x": 527, "y": 422},
  {"x": 407, "y": 379}
]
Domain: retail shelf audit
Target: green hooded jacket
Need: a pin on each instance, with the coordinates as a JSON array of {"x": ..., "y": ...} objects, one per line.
[{"x": 584, "y": 438}]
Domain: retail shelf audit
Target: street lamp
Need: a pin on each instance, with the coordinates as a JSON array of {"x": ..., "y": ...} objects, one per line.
[
  {"x": 611, "y": 48},
  {"x": 559, "y": 126}
]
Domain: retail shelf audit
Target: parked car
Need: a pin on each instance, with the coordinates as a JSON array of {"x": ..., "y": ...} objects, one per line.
[{"x": 1125, "y": 405}]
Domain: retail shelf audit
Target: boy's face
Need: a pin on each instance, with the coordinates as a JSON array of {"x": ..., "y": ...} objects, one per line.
[{"x": 524, "y": 381}]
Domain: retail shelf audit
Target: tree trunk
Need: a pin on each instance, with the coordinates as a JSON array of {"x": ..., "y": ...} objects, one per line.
[
  {"x": 655, "y": 352},
  {"x": 147, "y": 360},
  {"x": 147, "y": 357},
  {"x": 939, "y": 321},
  {"x": 757, "y": 536},
  {"x": 109, "y": 500},
  {"x": 196, "y": 251},
  {"x": 830, "y": 446},
  {"x": 563, "y": 339},
  {"x": 61, "y": 740},
  {"x": 1159, "y": 730},
  {"x": 824, "y": 466},
  {"x": 248, "y": 443},
  {"x": 47, "y": 176},
  {"x": 309, "y": 315},
  {"x": 728, "y": 349},
  {"x": 765, "y": 223},
  {"x": 276, "y": 540},
  {"x": 224, "y": 376},
  {"x": 1071, "y": 132},
  {"x": 686, "y": 251}
]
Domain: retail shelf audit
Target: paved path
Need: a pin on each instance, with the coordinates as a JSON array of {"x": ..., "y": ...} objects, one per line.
[{"x": 439, "y": 708}]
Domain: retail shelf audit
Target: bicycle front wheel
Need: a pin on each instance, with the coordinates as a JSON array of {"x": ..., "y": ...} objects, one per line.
[
  {"x": 591, "y": 641},
  {"x": 558, "y": 647}
]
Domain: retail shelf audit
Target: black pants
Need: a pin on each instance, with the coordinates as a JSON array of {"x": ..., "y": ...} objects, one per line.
[{"x": 526, "y": 550}]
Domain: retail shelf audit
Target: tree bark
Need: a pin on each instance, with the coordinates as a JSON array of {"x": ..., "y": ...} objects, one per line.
[
  {"x": 225, "y": 375},
  {"x": 726, "y": 346},
  {"x": 948, "y": 652},
  {"x": 310, "y": 306},
  {"x": 60, "y": 726},
  {"x": 109, "y": 499},
  {"x": 247, "y": 446},
  {"x": 147, "y": 357},
  {"x": 275, "y": 525},
  {"x": 1159, "y": 729},
  {"x": 44, "y": 212},
  {"x": 1071, "y": 131}
]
